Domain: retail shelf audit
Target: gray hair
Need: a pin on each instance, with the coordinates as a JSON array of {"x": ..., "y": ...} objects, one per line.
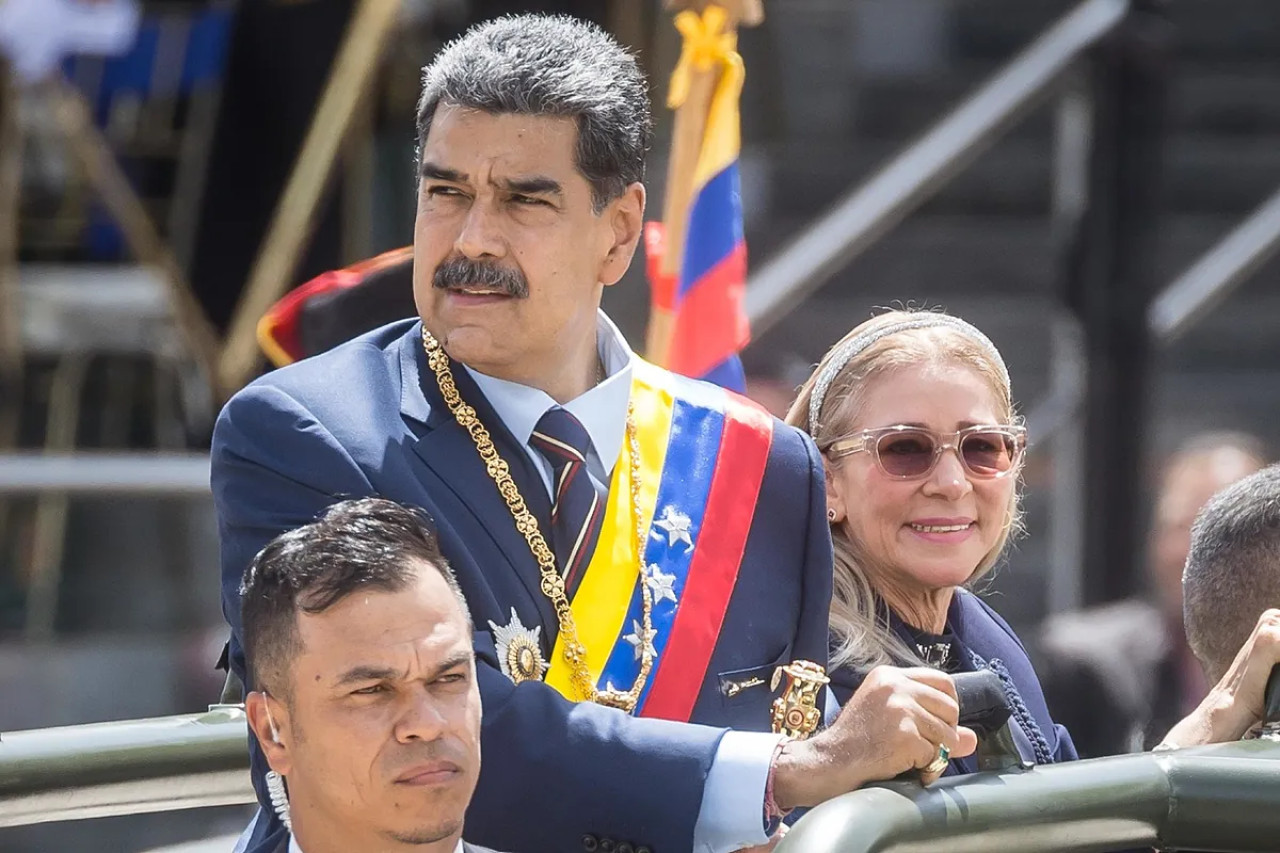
[
  {"x": 1233, "y": 569},
  {"x": 551, "y": 65}
]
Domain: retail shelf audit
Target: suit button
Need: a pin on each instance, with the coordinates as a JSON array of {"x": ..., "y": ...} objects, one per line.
[
  {"x": 624, "y": 847},
  {"x": 590, "y": 843},
  {"x": 607, "y": 845}
]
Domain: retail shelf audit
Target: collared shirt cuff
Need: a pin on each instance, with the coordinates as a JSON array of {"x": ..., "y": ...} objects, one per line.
[{"x": 732, "y": 813}]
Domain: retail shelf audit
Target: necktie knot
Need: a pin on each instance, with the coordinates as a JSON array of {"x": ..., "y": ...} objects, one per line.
[{"x": 561, "y": 437}]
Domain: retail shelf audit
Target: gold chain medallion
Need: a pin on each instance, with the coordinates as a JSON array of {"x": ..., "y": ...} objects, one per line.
[{"x": 552, "y": 584}]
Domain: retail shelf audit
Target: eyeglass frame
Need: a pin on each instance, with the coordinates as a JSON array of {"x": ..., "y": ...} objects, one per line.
[{"x": 870, "y": 439}]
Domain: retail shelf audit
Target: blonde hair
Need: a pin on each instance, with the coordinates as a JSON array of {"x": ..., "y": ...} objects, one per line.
[{"x": 858, "y": 618}]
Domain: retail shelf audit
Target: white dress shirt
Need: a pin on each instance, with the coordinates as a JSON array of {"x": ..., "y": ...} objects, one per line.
[{"x": 732, "y": 813}]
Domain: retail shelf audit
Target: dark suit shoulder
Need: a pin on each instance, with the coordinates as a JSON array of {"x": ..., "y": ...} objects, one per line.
[
  {"x": 349, "y": 369},
  {"x": 344, "y": 392}
]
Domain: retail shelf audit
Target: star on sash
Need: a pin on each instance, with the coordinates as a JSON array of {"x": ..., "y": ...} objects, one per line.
[
  {"x": 677, "y": 526},
  {"x": 641, "y": 639},
  {"x": 661, "y": 584}
]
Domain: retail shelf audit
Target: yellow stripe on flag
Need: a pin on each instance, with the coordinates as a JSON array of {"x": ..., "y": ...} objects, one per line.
[{"x": 604, "y": 596}]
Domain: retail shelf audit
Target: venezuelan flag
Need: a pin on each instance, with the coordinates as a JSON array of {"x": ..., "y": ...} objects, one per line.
[{"x": 704, "y": 304}]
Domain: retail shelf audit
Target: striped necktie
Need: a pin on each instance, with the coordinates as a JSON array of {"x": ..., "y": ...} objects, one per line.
[{"x": 577, "y": 507}]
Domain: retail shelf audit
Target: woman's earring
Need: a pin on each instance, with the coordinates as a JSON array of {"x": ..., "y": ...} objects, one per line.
[{"x": 831, "y": 515}]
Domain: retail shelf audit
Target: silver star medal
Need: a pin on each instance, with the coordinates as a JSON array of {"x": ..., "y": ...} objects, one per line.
[
  {"x": 641, "y": 639},
  {"x": 677, "y": 525},
  {"x": 519, "y": 651},
  {"x": 661, "y": 584}
]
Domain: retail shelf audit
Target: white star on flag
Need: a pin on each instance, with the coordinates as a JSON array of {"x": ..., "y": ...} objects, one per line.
[
  {"x": 677, "y": 525},
  {"x": 640, "y": 639},
  {"x": 660, "y": 583}
]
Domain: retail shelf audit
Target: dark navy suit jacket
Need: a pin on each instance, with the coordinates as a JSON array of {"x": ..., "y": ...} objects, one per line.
[
  {"x": 982, "y": 639},
  {"x": 367, "y": 419}
]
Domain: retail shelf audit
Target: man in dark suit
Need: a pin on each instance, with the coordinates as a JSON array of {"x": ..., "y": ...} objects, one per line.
[
  {"x": 366, "y": 704},
  {"x": 640, "y": 551}
]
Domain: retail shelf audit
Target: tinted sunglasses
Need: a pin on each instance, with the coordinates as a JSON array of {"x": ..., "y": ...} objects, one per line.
[{"x": 987, "y": 452}]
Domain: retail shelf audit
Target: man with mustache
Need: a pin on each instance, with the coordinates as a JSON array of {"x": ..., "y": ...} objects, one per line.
[
  {"x": 641, "y": 551},
  {"x": 365, "y": 700}
]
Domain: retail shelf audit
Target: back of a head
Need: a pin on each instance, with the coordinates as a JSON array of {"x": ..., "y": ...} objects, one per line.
[
  {"x": 551, "y": 65},
  {"x": 1232, "y": 572}
]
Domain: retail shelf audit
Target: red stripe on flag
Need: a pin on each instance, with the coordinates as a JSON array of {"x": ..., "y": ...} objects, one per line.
[
  {"x": 713, "y": 573},
  {"x": 711, "y": 324}
]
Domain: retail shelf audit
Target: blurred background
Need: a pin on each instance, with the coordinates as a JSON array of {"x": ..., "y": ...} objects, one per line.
[{"x": 159, "y": 160}]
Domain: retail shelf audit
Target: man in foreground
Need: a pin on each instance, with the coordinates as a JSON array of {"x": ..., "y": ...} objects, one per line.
[{"x": 365, "y": 701}]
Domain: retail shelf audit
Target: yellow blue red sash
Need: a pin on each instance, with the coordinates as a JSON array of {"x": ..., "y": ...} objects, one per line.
[{"x": 702, "y": 458}]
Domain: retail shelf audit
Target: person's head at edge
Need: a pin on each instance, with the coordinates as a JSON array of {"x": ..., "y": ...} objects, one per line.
[
  {"x": 1200, "y": 468},
  {"x": 909, "y": 541},
  {"x": 359, "y": 648},
  {"x": 532, "y": 133},
  {"x": 1232, "y": 572}
]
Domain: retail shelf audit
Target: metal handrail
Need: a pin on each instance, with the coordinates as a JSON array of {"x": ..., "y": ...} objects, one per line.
[
  {"x": 128, "y": 767},
  {"x": 864, "y": 215},
  {"x": 1217, "y": 272},
  {"x": 104, "y": 473},
  {"x": 1209, "y": 798},
  {"x": 1184, "y": 301}
]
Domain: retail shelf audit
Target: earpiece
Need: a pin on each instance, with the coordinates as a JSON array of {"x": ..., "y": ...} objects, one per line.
[{"x": 275, "y": 733}]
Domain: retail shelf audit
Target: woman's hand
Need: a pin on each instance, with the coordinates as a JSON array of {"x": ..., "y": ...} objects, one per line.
[
  {"x": 894, "y": 722},
  {"x": 1235, "y": 704}
]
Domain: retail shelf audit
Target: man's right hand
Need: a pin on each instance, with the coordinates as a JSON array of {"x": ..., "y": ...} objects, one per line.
[
  {"x": 895, "y": 722},
  {"x": 1236, "y": 703}
]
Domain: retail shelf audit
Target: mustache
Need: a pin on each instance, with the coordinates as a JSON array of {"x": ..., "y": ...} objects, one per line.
[{"x": 464, "y": 272}]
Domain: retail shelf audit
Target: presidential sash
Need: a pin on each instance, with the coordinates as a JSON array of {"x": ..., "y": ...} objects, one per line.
[{"x": 702, "y": 455}]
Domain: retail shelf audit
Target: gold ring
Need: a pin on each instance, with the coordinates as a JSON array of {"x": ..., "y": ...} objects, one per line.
[{"x": 940, "y": 763}]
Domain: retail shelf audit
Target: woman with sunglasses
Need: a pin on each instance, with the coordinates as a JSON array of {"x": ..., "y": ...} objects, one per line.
[{"x": 913, "y": 413}]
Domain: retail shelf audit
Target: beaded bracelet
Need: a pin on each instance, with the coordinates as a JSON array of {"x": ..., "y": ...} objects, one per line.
[{"x": 772, "y": 813}]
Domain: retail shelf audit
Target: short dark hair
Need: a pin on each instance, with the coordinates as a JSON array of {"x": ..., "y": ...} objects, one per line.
[
  {"x": 363, "y": 544},
  {"x": 1233, "y": 568},
  {"x": 551, "y": 65}
]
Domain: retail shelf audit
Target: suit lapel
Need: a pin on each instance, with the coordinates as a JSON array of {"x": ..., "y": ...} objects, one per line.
[{"x": 448, "y": 451}]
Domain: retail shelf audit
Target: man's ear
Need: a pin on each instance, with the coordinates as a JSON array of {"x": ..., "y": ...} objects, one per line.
[
  {"x": 625, "y": 216},
  {"x": 269, "y": 722}
]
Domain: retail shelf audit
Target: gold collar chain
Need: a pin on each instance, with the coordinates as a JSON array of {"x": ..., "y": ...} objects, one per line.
[{"x": 552, "y": 584}]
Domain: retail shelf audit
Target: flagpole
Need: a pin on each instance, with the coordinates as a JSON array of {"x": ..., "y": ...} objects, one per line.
[{"x": 693, "y": 103}]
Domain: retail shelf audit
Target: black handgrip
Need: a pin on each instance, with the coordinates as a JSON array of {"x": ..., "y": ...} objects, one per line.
[
  {"x": 1271, "y": 708},
  {"x": 984, "y": 707}
]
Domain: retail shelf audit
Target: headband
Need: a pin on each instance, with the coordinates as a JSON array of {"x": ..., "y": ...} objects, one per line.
[{"x": 929, "y": 320}]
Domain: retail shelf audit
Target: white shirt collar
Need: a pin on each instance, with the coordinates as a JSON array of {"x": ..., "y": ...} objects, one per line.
[
  {"x": 294, "y": 848},
  {"x": 602, "y": 410}
]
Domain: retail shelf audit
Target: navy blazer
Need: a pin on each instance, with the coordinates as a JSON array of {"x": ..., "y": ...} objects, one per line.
[
  {"x": 983, "y": 640},
  {"x": 367, "y": 419}
]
